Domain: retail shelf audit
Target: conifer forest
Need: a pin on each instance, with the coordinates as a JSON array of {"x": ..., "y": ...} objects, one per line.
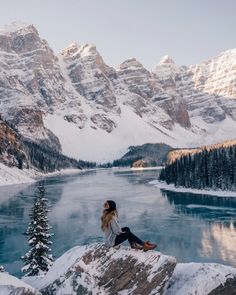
[{"x": 215, "y": 169}]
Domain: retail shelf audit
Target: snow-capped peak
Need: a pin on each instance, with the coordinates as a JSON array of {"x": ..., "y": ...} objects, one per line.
[
  {"x": 70, "y": 50},
  {"x": 82, "y": 51},
  {"x": 225, "y": 56},
  {"x": 17, "y": 26},
  {"x": 130, "y": 63},
  {"x": 166, "y": 59},
  {"x": 166, "y": 67},
  {"x": 87, "y": 50}
]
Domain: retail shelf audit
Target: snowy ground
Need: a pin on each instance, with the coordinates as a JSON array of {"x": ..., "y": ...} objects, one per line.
[
  {"x": 9, "y": 285},
  {"x": 13, "y": 175},
  {"x": 198, "y": 278},
  {"x": 146, "y": 168},
  {"x": 171, "y": 187},
  {"x": 99, "y": 146}
]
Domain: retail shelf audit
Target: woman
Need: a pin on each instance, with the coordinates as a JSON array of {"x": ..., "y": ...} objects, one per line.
[{"x": 115, "y": 235}]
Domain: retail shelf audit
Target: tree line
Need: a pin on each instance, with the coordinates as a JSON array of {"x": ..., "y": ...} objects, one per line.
[
  {"x": 27, "y": 153},
  {"x": 215, "y": 168},
  {"x": 47, "y": 159}
]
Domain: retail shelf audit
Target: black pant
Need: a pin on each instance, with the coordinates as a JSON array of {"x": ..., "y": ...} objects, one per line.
[{"x": 127, "y": 235}]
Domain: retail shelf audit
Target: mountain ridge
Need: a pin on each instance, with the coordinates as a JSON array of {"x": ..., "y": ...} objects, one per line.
[{"x": 108, "y": 107}]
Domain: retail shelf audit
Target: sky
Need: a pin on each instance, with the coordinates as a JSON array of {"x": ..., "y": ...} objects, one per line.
[{"x": 189, "y": 31}]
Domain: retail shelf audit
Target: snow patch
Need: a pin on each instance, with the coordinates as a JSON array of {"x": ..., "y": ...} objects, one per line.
[
  {"x": 172, "y": 187},
  {"x": 98, "y": 145},
  {"x": 7, "y": 282},
  {"x": 198, "y": 278},
  {"x": 13, "y": 175},
  {"x": 14, "y": 26}
]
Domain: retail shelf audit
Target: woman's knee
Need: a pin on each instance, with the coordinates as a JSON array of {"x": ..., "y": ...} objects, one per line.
[{"x": 125, "y": 229}]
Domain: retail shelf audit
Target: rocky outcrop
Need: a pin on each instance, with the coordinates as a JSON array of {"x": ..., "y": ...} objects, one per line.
[
  {"x": 140, "y": 164},
  {"x": 101, "y": 121},
  {"x": 11, "y": 148},
  {"x": 96, "y": 269},
  {"x": 10, "y": 285},
  {"x": 202, "y": 279},
  {"x": 228, "y": 288}
]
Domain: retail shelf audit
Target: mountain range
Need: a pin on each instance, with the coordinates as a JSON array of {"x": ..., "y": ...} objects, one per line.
[{"x": 75, "y": 103}]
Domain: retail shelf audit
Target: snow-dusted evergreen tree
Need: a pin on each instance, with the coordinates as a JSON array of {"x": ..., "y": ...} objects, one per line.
[{"x": 38, "y": 259}]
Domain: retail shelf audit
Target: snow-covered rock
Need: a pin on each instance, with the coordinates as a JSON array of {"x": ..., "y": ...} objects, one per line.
[
  {"x": 10, "y": 285},
  {"x": 96, "y": 269},
  {"x": 202, "y": 279}
]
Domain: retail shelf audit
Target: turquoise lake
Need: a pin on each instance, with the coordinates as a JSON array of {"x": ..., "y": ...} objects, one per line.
[{"x": 193, "y": 228}]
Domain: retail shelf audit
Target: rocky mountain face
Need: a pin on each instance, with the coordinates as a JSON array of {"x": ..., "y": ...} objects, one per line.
[
  {"x": 214, "y": 82},
  {"x": 175, "y": 105},
  {"x": 11, "y": 148},
  {"x": 16, "y": 151},
  {"x": 31, "y": 82},
  {"x": 208, "y": 90},
  {"x": 93, "y": 80}
]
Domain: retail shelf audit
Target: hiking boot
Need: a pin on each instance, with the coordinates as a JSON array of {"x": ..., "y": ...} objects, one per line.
[
  {"x": 149, "y": 246},
  {"x": 136, "y": 246}
]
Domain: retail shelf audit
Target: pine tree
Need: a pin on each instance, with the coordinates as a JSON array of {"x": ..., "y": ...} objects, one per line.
[
  {"x": 213, "y": 168},
  {"x": 38, "y": 259}
]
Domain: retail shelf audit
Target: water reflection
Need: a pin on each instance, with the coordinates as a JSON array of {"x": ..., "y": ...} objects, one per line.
[
  {"x": 137, "y": 176},
  {"x": 211, "y": 208},
  {"x": 218, "y": 238},
  {"x": 225, "y": 239}
]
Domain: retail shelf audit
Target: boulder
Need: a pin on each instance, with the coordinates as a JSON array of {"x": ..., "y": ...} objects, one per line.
[{"x": 96, "y": 269}]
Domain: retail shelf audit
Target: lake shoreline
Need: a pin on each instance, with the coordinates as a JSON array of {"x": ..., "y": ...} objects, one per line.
[{"x": 171, "y": 187}]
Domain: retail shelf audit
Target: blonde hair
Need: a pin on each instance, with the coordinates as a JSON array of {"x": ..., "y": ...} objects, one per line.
[{"x": 106, "y": 218}]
